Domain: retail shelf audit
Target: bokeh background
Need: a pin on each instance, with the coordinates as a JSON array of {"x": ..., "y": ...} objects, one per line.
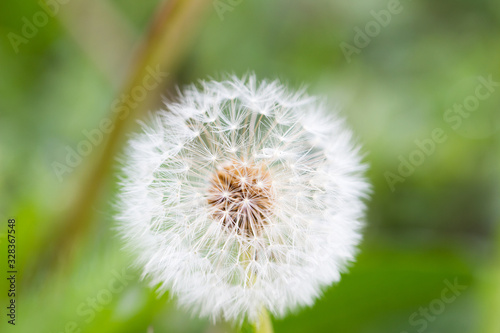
[{"x": 437, "y": 225}]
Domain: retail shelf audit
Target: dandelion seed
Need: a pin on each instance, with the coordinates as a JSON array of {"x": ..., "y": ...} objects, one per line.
[{"x": 242, "y": 197}]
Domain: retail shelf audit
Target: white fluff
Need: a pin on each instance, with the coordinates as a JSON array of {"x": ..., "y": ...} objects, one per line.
[{"x": 317, "y": 189}]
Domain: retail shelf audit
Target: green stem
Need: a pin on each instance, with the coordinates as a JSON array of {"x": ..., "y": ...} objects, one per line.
[{"x": 264, "y": 325}]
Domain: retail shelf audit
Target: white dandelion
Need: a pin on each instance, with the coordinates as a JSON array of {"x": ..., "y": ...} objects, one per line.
[{"x": 242, "y": 197}]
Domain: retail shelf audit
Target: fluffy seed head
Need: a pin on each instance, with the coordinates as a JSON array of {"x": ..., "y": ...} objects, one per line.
[{"x": 242, "y": 196}]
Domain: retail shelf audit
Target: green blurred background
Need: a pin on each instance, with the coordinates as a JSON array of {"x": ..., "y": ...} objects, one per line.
[{"x": 439, "y": 224}]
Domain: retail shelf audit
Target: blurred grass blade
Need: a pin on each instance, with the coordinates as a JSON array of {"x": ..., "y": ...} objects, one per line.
[{"x": 162, "y": 49}]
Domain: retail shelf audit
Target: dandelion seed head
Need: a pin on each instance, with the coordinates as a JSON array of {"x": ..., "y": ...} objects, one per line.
[{"x": 242, "y": 196}]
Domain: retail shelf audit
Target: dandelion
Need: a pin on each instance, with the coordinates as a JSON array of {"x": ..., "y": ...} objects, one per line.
[{"x": 242, "y": 197}]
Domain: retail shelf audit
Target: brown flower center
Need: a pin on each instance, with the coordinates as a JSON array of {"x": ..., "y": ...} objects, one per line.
[{"x": 240, "y": 196}]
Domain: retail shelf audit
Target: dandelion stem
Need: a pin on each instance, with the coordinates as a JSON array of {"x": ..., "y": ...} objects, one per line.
[{"x": 264, "y": 325}]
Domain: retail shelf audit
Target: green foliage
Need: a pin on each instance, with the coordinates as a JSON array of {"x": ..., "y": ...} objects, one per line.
[{"x": 438, "y": 224}]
